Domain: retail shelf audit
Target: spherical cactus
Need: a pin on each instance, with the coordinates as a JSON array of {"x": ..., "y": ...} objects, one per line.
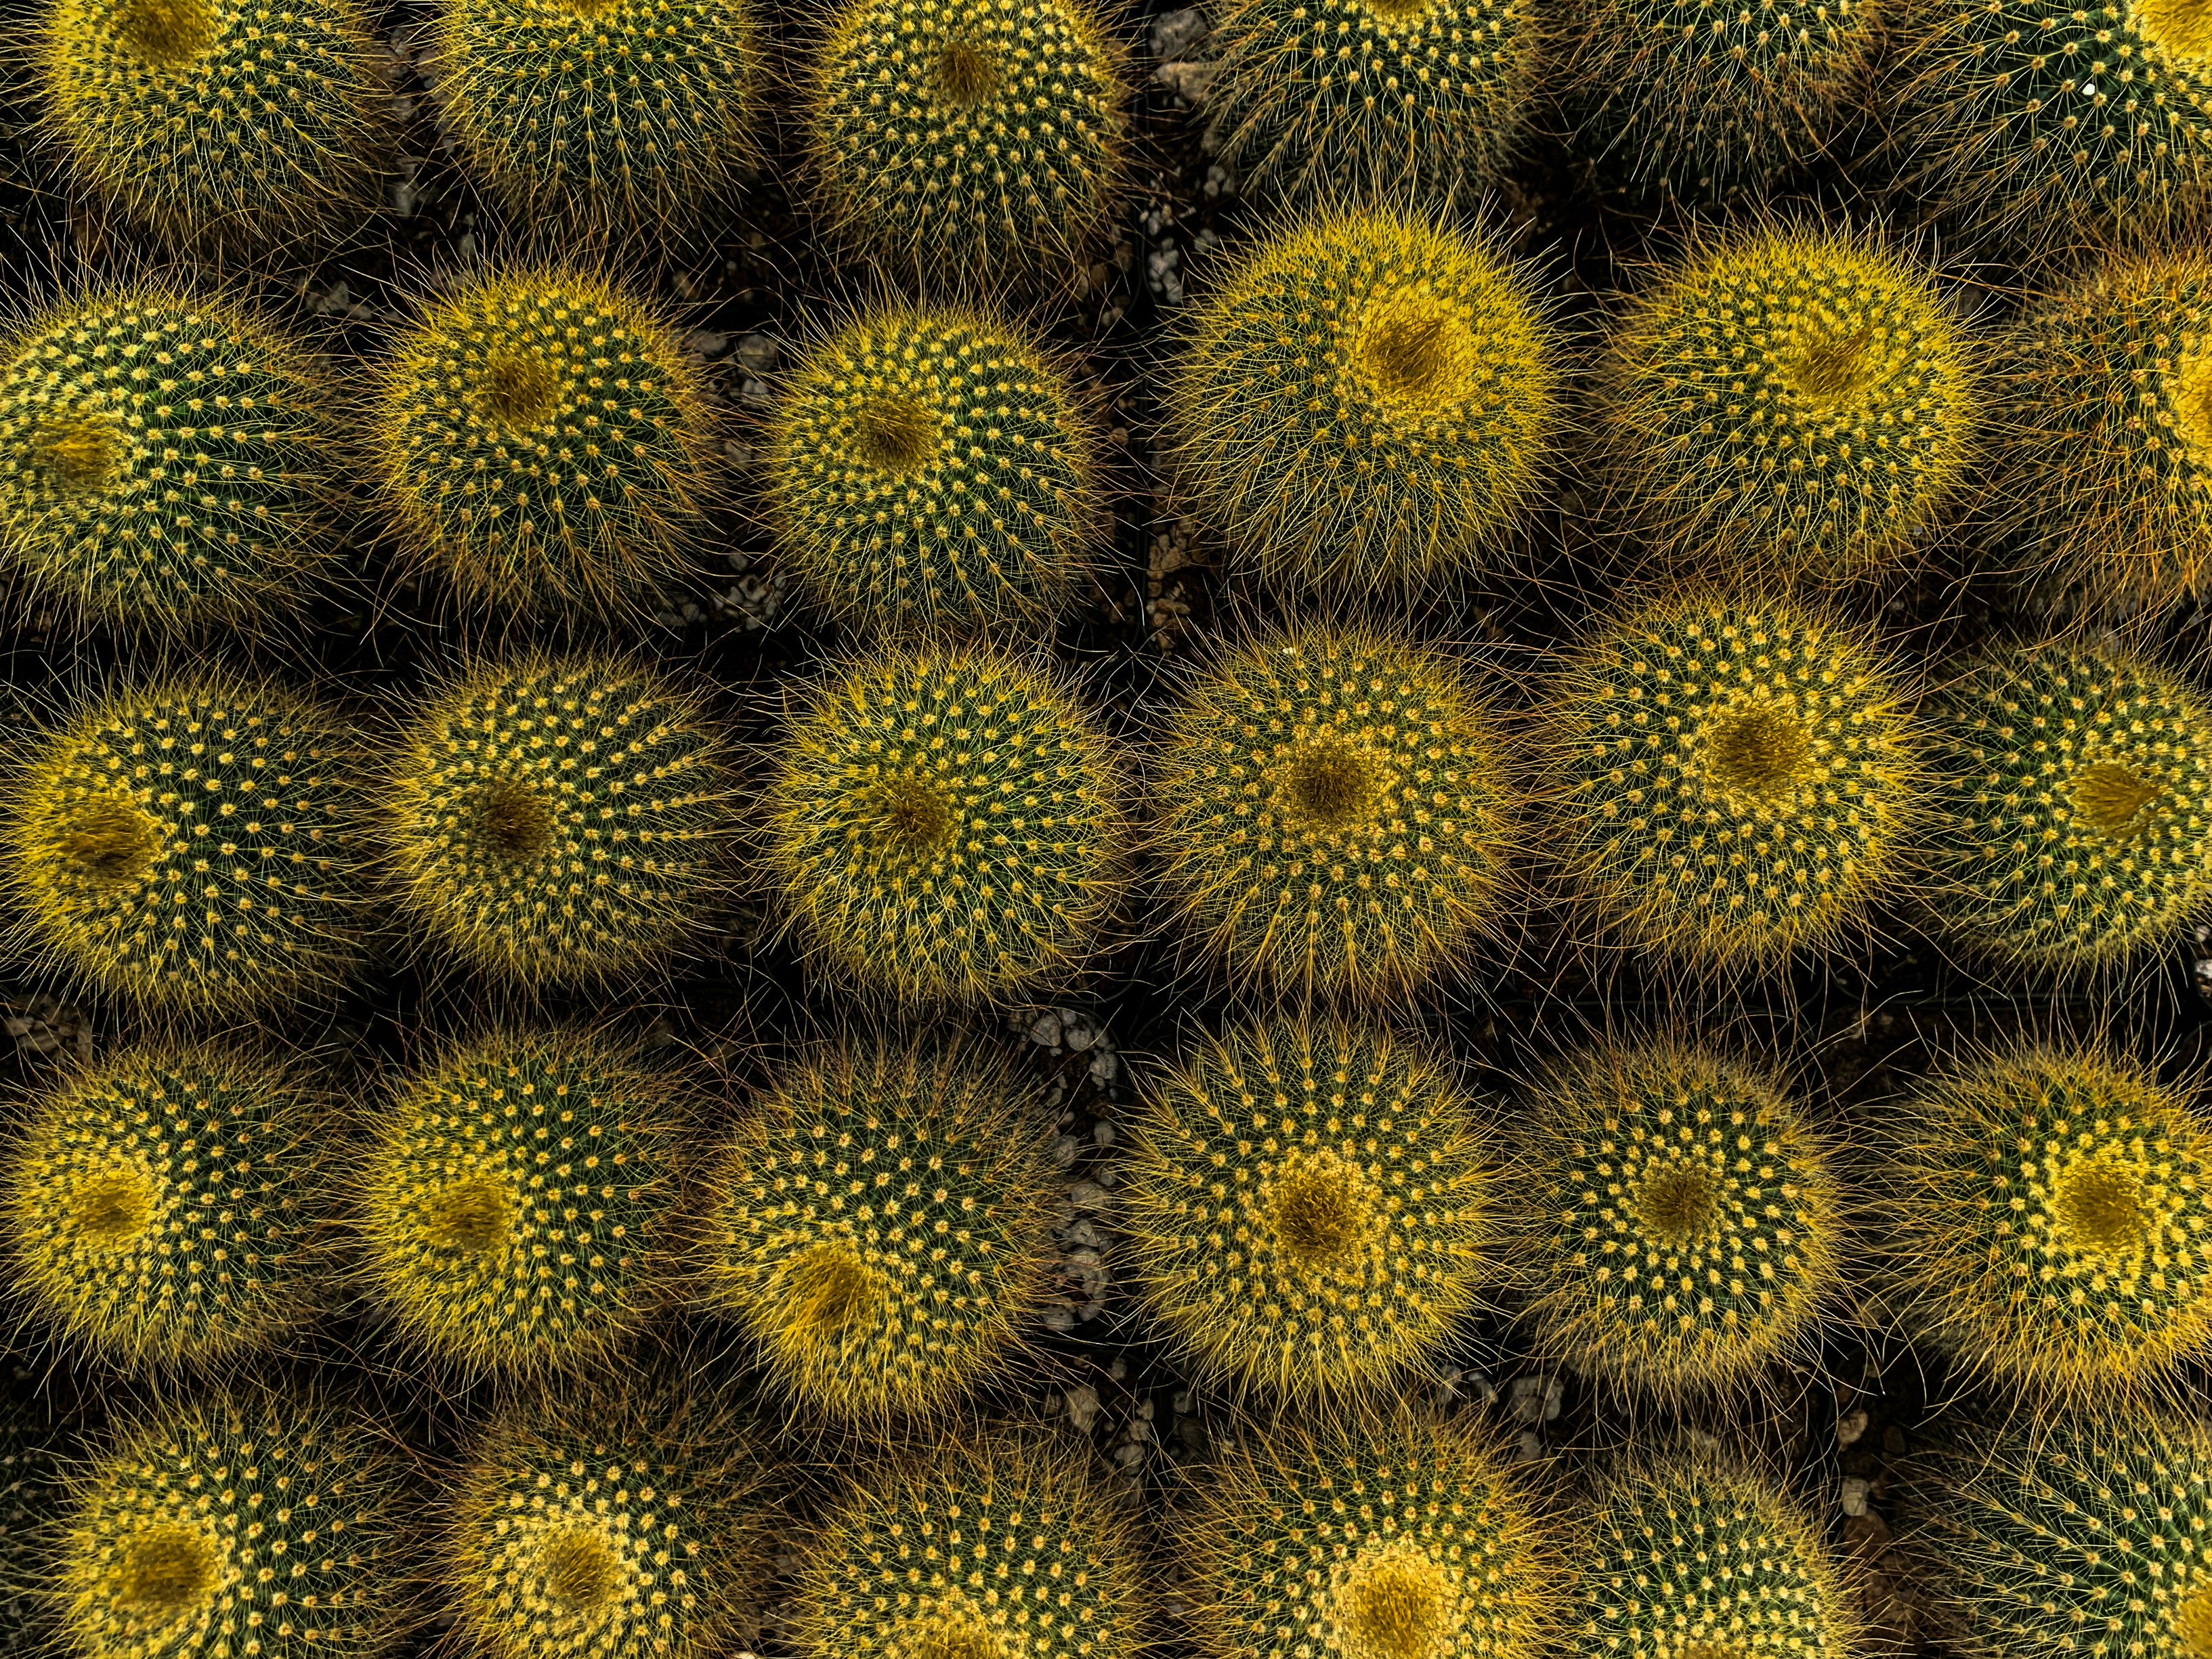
[
  {"x": 558, "y": 820},
  {"x": 1687, "y": 1555},
  {"x": 880, "y": 1223},
  {"x": 1374, "y": 1537},
  {"x": 931, "y": 469},
  {"x": 191, "y": 844},
  {"x": 1001, "y": 1545},
  {"x": 968, "y": 142},
  {"x": 1366, "y": 398},
  {"x": 544, "y": 443},
  {"x": 516, "y": 1210},
  {"x": 2071, "y": 821},
  {"x": 2049, "y": 1219},
  {"x": 1332, "y": 813},
  {"x": 1794, "y": 399},
  {"x": 1678, "y": 1223},
  {"x": 1312, "y": 1207},
  {"x": 1736, "y": 779},
  {"x": 220, "y": 121},
  {"x": 252, "y": 1522},
  {"x": 946, "y": 824},
  {"x": 170, "y": 1203},
  {"x": 1372, "y": 99},
  {"x": 164, "y": 461},
  {"x": 608, "y": 117}
]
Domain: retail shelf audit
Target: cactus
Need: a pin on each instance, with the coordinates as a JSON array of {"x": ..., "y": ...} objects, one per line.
[
  {"x": 1353, "y": 1176},
  {"x": 1377, "y": 1537},
  {"x": 163, "y": 460},
  {"x": 557, "y": 820},
  {"x": 2050, "y": 1222},
  {"x": 1792, "y": 399},
  {"x": 999, "y": 1544},
  {"x": 946, "y": 824},
  {"x": 544, "y": 443},
  {"x": 191, "y": 843},
  {"x": 856, "y": 1319},
  {"x": 220, "y": 122},
  {"x": 1333, "y": 814},
  {"x": 930, "y": 468},
  {"x": 1366, "y": 398},
  {"x": 625, "y": 116},
  {"x": 515, "y": 1209},
  {"x": 168, "y": 1203},
  {"x": 1678, "y": 1224},
  {"x": 971, "y": 142},
  {"x": 251, "y": 1521},
  {"x": 2072, "y": 821},
  {"x": 1736, "y": 778}
]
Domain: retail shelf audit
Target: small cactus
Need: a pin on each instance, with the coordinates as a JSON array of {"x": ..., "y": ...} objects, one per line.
[
  {"x": 191, "y": 844},
  {"x": 1357, "y": 1182},
  {"x": 969, "y": 143},
  {"x": 1367, "y": 398},
  {"x": 1334, "y": 814},
  {"x": 163, "y": 460},
  {"x": 544, "y": 443},
  {"x": 1736, "y": 779},
  {"x": 1791, "y": 398},
  {"x": 219, "y": 122},
  {"x": 170, "y": 1203},
  {"x": 2071, "y": 826},
  {"x": 2049, "y": 1217},
  {"x": 516, "y": 1207},
  {"x": 946, "y": 824},
  {"x": 856, "y": 1318},
  {"x": 930, "y": 468},
  {"x": 1678, "y": 1223},
  {"x": 557, "y": 820}
]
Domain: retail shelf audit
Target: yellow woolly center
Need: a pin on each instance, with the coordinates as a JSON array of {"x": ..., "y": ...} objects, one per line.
[
  {"x": 1397, "y": 1609},
  {"x": 581, "y": 1573},
  {"x": 514, "y": 822},
  {"x": 519, "y": 391},
  {"x": 83, "y": 453},
  {"x": 966, "y": 74},
  {"x": 2112, "y": 800},
  {"x": 1758, "y": 752},
  {"x": 2099, "y": 1206},
  {"x": 111, "y": 839},
  {"x": 2192, "y": 1624},
  {"x": 1830, "y": 367},
  {"x": 958, "y": 1635},
  {"x": 1679, "y": 1203},
  {"x": 470, "y": 1215},
  {"x": 111, "y": 1206},
  {"x": 915, "y": 816},
  {"x": 2184, "y": 27},
  {"x": 829, "y": 1287},
  {"x": 164, "y": 1574},
  {"x": 1328, "y": 783},
  {"x": 1319, "y": 1207},
  {"x": 896, "y": 435},
  {"x": 1414, "y": 347},
  {"x": 167, "y": 31}
]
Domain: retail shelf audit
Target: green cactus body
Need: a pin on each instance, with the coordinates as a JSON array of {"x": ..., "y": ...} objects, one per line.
[
  {"x": 2072, "y": 814},
  {"x": 220, "y": 121},
  {"x": 191, "y": 844},
  {"x": 1334, "y": 814},
  {"x": 930, "y": 470},
  {"x": 1312, "y": 1205},
  {"x": 880, "y": 1224},
  {"x": 1736, "y": 779},
  {"x": 1374, "y": 1537},
  {"x": 544, "y": 443},
  {"x": 249, "y": 1523},
  {"x": 2050, "y": 1222},
  {"x": 604, "y": 116},
  {"x": 946, "y": 824},
  {"x": 1679, "y": 1224},
  {"x": 169, "y": 1203},
  {"x": 1366, "y": 399},
  {"x": 1791, "y": 399},
  {"x": 555, "y": 820},
  {"x": 515, "y": 1211},
  {"x": 990, "y": 1548},
  {"x": 968, "y": 142},
  {"x": 163, "y": 461}
]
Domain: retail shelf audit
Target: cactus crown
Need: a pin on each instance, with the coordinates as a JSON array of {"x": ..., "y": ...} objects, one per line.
[
  {"x": 1367, "y": 397},
  {"x": 1335, "y": 815},
  {"x": 860, "y": 1156},
  {"x": 1348, "y": 1167}
]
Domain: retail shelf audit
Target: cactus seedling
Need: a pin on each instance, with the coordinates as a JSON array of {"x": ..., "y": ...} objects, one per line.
[
  {"x": 190, "y": 844},
  {"x": 1312, "y": 1205},
  {"x": 544, "y": 443},
  {"x": 946, "y": 824},
  {"x": 1367, "y": 398},
  {"x": 929, "y": 469}
]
